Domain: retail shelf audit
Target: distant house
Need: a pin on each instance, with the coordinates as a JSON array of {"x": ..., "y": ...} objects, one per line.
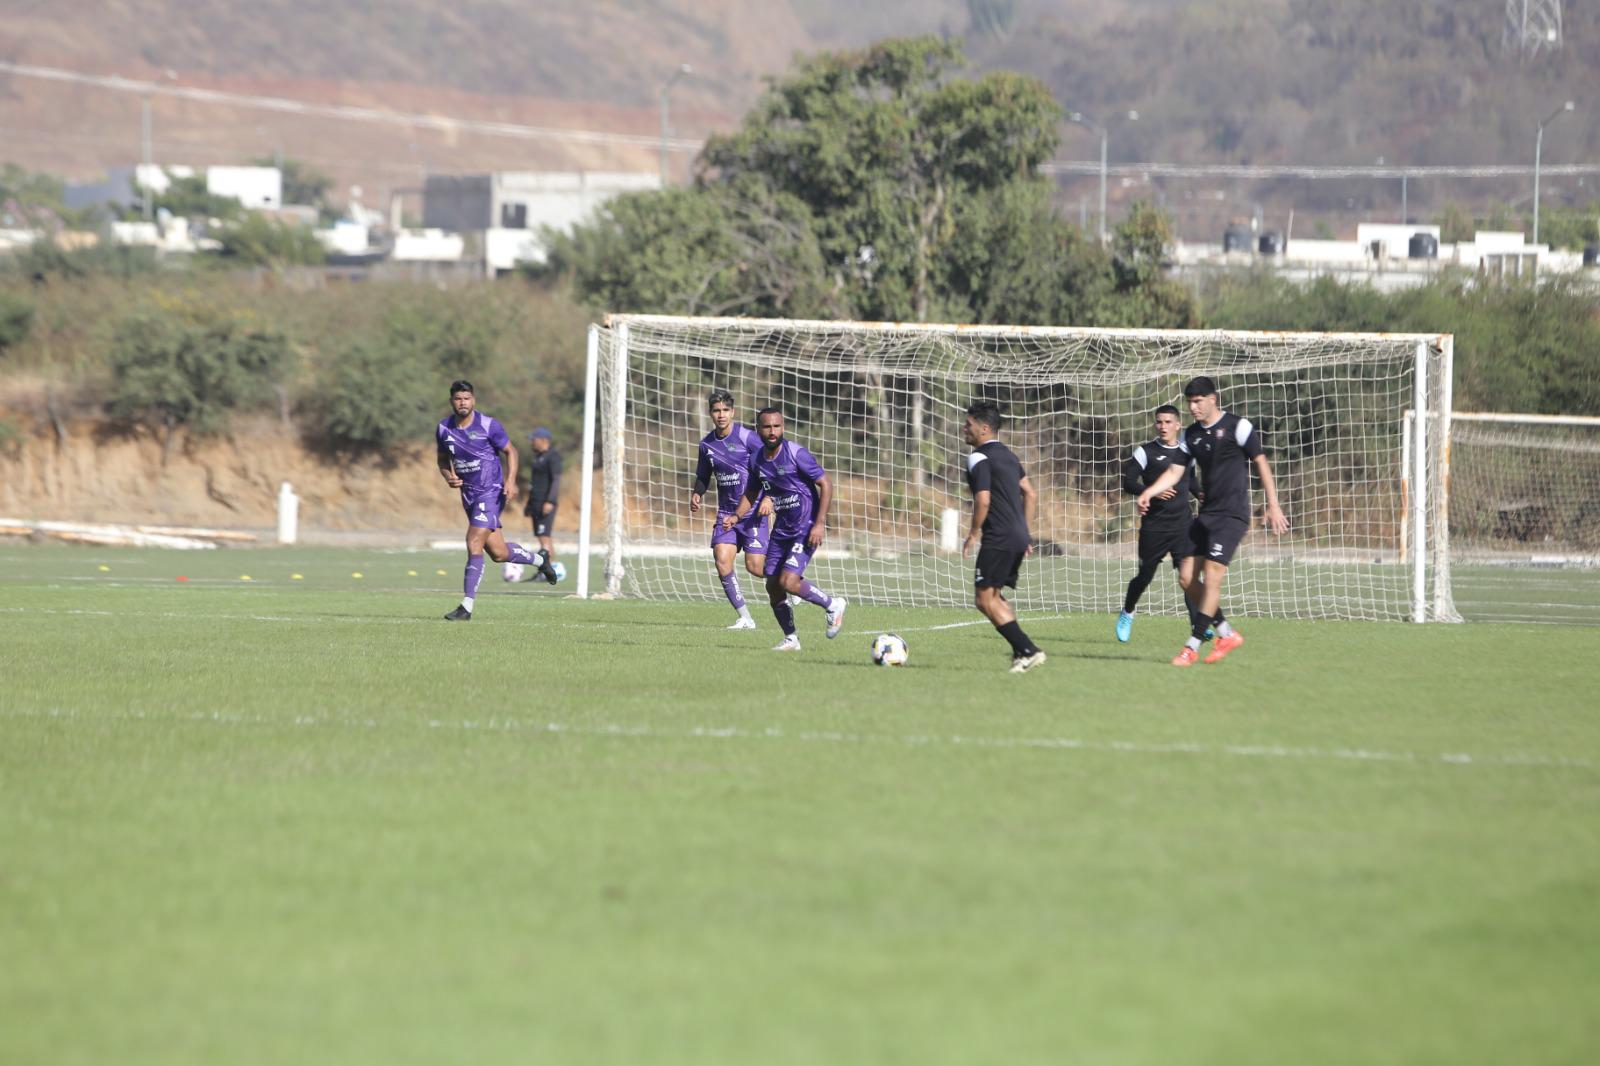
[
  {"x": 259, "y": 188},
  {"x": 511, "y": 209}
]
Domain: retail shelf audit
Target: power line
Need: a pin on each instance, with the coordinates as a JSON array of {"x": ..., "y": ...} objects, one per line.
[
  {"x": 349, "y": 112},
  {"x": 1224, "y": 170}
]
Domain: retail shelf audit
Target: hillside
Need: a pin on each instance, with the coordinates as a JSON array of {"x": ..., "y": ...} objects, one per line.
[{"x": 1420, "y": 82}]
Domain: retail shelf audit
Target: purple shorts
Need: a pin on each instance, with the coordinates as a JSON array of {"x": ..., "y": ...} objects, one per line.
[
  {"x": 750, "y": 536},
  {"x": 790, "y": 553},
  {"x": 483, "y": 506}
]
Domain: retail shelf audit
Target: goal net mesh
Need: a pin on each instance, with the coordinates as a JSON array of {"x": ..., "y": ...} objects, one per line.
[
  {"x": 881, "y": 406},
  {"x": 1525, "y": 490}
]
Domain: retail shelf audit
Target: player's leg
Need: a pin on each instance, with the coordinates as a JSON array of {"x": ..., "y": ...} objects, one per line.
[
  {"x": 1189, "y": 580},
  {"x": 995, "y": 570},
  {"x": 502, "y": 550},
  {"x": 477, "y": 537},
  {"x": 1136, "y": 588},
  {"x": 543, "y": 530},
  {"x": 723, "y": 555},
  {"x": 778, "y": 597},
  {"x": 1228, "y": 638},
  {"x": 794, "y": 582}
]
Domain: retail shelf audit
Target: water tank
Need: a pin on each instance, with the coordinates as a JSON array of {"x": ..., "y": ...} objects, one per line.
[
  {"x": 1591, "y": 255},
  {"x": 1423, "y": 246},
  {"x": 1236, "y": 238},
  {"x": 1271, "y": 243}
]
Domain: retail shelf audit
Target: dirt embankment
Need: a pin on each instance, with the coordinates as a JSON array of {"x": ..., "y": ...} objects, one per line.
[{"x": 89, "y": 472}]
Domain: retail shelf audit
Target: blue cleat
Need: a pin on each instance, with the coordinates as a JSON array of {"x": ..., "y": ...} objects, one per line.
[{"x": 1124, "y": 627}]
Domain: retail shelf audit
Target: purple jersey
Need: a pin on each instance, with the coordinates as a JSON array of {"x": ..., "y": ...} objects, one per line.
[
  {"x": 474, "y": 451},
  {"x": 728, "y": 459},
  {"x": 790, "y": 478}
]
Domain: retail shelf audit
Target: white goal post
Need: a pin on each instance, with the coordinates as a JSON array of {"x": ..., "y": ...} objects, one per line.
[{"x": 881, "y": 404}]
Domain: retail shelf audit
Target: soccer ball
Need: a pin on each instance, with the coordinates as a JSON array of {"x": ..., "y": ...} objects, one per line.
[
  {"x": 889, "y": 650},
  {"x": 561, "y": 570},
  {"x": 512, "y": 572}
]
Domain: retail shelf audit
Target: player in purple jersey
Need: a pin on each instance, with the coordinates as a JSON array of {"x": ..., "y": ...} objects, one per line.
[
  {"x": 725, "y": 454},
  {"x": 472, "y": 448},
  {"x": 801, "y": 494}
]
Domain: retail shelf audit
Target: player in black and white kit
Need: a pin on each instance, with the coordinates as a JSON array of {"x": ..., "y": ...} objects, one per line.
[
  {"x": 1002, "y": 503},
  {"x": 1224, "y": 446},
  {"x": 1164, "y": 529}
]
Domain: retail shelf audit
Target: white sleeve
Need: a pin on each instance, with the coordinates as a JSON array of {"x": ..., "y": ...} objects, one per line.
[
  {"x": 1139, "y": 457},
  {"x": 1242, "y": 431},
  {"x": 974, "y": 459}
]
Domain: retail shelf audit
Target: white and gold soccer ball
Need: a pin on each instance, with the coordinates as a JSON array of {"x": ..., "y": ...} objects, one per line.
[
  {"x": 512, "y": 572},
  {"x": 888, "y": 649}
]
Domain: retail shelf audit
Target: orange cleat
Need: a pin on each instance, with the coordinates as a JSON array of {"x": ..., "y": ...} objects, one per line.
[
  {"x": 1223, "y": 646},
  {"x": 1187, "y": 657}
]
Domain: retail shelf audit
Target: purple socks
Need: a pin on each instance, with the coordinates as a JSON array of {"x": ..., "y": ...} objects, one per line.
[
  {"x": 730, "y": 585},
  {"x": 473, "y": 575},
  {"x": 811, "y": 594}
]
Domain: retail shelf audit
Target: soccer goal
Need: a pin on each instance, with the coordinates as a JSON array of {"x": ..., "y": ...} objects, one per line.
[
  {"x": 881, "y": 405},
  {"x": 1525, "y": 489}
]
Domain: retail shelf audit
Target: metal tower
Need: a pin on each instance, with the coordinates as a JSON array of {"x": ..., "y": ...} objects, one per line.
[{"x": 1531, "y": 27}]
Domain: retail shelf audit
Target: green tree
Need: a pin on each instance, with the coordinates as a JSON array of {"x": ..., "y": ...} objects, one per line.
[
  {"x": 179, "y": 364},
  {"x": 189, "y": 198},
  {"x": 887, "y": 150},
  {"x": 261, "y": 241},
  {"x": 301, "y": 183},
  {"x": 16, "y": 318}
]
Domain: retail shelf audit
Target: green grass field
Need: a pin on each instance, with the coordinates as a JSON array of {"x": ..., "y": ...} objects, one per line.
[{"x": 305, "y": 820}]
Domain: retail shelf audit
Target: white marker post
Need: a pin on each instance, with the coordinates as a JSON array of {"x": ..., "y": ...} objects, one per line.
[{"x": 288, "y": 514}]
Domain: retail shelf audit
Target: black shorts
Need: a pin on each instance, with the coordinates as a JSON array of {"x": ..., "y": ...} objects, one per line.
[
  {"x": 997, "y": 568},
  {"x": 1215, "y": 537},
  {"x": 1155, "y": 544},
  {"x": 543, "y": 523}
]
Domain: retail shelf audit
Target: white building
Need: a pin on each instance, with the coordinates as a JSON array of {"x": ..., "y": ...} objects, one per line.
[{"x": 512, "y": 209}]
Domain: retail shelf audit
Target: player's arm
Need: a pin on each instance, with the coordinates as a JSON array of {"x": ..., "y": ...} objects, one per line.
[
  {"x": 1030, "y": 507},
  {"x": 1276, "y": 521},
  {"x": 752, "y": 484},
  {"x": 1132, "y": 474},
  {"x": 819, "y": 527},
  {"x": 980, "y": 513},
  {"x": 555, "y": 483},
  {"x": 447, "y": 468},
  {"x": 702, "y": 480},
  {"x": 1163, "y": 485},
  {"x": 508, "y": 464}
]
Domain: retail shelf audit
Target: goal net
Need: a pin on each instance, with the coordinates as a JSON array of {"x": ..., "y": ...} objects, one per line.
[
  {"x": 881, "y": 406},
  {"x": 1525, "y": 489}
]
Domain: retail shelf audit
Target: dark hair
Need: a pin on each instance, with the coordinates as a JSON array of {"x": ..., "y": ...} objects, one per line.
[
  {"x": 1201, "y": 386},
  {"x": 769, "y": 411},
  {"x": 987, "y": 413},
  {"x": 1168, "y": 409},
  {"x": 462, "y": 385},
  {"x": 719, "y": 396}
]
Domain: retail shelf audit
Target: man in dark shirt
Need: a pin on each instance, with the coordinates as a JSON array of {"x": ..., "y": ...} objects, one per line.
[
  {"x": 1224, "y": 447},
  {"x": 544, "y": 490},
  {"x": 1164, "y": 530},
  {"x": 1003, "y": 500}
]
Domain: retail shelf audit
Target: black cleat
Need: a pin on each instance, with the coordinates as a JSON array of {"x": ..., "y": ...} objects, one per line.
[
  {"x": 548, "y": 572},
  {"x": 460, "y": 614}
]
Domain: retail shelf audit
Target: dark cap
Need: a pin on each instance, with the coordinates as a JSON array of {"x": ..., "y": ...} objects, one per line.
[
  {"x": 539, "y": 434},
  {"x": 1201, "y": 386}
]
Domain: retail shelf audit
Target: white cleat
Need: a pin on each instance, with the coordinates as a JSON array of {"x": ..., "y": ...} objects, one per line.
[
  {"x": 744, "y": 623},
  {"x": 836, "y": 608},
  {"x": 1023, "y": 663},
  {"x": 788, "y": 643}
]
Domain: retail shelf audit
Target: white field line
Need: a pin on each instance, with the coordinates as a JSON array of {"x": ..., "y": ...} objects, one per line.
[{"x": 509, "y": 725}]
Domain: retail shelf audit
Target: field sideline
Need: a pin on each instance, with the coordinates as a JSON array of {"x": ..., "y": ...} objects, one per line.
[{"x": 305, "y": 820}]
